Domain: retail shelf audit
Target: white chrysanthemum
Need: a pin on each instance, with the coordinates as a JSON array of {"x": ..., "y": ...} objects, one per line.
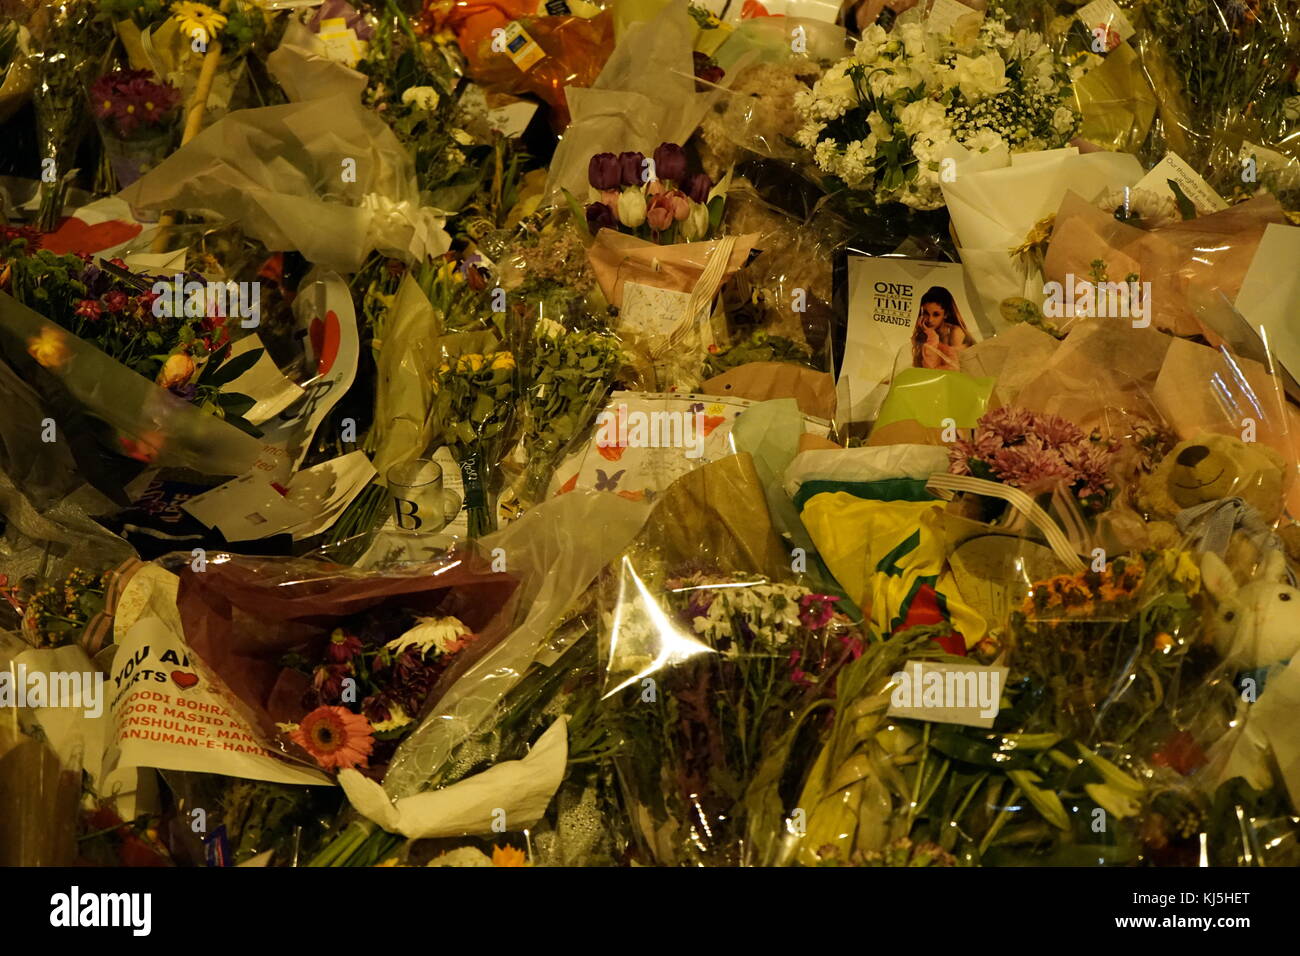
[
  {"x": 462, "y": 856},
  {"x": 431, "y": 632},
  {"x": 1063, "y": 119}
]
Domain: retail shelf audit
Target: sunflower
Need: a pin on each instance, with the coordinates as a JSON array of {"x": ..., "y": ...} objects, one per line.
[
  {"x": 197, "y": 20},
  {"x": 336, "y": 737}
]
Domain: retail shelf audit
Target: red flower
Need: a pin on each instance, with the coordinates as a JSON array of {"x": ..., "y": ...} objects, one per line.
[
  {"x": 116, "y": 300},
  {"x": 89, "y": 309}
]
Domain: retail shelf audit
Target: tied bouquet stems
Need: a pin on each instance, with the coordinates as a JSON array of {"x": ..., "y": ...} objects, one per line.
[
  {"x": 473, "y": 409},
  {"x": 569, "y": 374},
  {"x": 704, "y": 681}
]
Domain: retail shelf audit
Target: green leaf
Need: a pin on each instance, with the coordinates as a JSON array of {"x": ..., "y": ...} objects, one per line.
[
  {"x": 716, "y": 206},
  {"x": 235, "y": 404},
  {"x": 236, "y": 367},
  {"x": 1186, "y": 208},
  {"x": 210, "y": 366},
  {"x": 579, "y": 214}
]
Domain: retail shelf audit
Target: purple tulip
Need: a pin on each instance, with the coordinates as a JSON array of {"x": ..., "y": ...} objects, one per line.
[
  {"x": 600, "y": 216},
  {"x": 602, "y": 171},
  {"x": 670, "y": 162},
  {"x": 698, "y": 186},
  {"x": 629, "y": 168}
]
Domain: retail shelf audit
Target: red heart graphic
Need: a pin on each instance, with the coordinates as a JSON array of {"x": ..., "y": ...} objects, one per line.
[
  {"x": 713, "y": 421},
  {"x": 74, "y": 235},
  {"x": 611, "y": 452},
  {"x": 324, "y": 341},
  {"x": 184, "y": 679}
]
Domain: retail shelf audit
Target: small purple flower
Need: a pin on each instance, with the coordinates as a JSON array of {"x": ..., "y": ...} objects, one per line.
[
  {"x": 600, "y": 216},
  {"x": 603, "y": 171},
  {"x": 670, "y": 162}
]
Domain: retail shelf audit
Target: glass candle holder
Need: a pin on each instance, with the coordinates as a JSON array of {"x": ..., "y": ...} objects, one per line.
[{"x": 420, "y": 503}]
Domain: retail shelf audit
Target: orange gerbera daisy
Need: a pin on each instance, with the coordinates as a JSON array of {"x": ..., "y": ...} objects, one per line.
[{"x": 336, "y": 737}]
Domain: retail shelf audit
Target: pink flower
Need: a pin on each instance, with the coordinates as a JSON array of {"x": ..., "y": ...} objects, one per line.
[
  {"x": 680, "y": 204},
  {"x": 89, "y": 309},
  {"x": 335, "y": 737},
  {"x": 816, "y": 610},
  {"x": 659, "y": 214}
]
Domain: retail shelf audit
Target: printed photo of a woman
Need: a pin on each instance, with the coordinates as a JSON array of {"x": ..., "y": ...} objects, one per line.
[{"x": 940, "y": 335}]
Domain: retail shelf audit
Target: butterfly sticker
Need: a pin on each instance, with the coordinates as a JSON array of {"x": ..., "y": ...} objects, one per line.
[{"x": 608, "y": 482}]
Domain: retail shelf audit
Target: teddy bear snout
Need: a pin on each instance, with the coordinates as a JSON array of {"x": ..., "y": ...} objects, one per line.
[{"x": 1192, "y": 456}]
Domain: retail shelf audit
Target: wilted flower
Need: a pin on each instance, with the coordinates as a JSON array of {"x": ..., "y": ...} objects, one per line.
[{"x": 343, "y": 646}]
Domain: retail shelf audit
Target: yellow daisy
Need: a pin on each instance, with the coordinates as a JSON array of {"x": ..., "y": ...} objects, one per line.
[
  {"x": 197, "y": 20},
  {"x": 49, "y": 348}
]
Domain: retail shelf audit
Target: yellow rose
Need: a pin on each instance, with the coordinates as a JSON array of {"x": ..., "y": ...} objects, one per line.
[
  {"x": 50, "y": 348},
  {"x": 177, "y": 370},
  {"x": 503, "y": 360}
]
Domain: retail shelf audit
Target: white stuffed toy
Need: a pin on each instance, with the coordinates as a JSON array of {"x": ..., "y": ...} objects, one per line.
[{"x": 1256, "y": 628}]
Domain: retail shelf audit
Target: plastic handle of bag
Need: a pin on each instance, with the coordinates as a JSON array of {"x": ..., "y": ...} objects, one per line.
[{"x": 1040, "y": 519}]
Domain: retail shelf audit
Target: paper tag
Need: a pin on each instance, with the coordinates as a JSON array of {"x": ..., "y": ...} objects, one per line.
[
  {"x": 1264, "y": 158},
  {"x": 522, "y": 48},
  {"x": 1201, "y": 193},
  {"x": 648, "y": 310},
  {"x": 341, "y": 43},
  {"x": 264, "y": 383},
  {"x": 556, "y": 8},
  {"x": 966, "y": 694},
  {"x": 245, "y": 509},
  {"x": 165, "y": 715},
  {"x": 511, "y": 119},
  {"x": 944, "y": 14},
  {"x": 1107, "y": 23}
]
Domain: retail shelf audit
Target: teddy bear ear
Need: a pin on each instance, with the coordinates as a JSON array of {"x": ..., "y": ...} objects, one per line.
[
  {"x": 1216, "y": 576},
  {"x": 1274, "y": 568}
]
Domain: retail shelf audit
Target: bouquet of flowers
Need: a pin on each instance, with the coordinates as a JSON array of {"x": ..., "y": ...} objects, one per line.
[
  {"x": 569, "y": 375},
  {"x": 704, "y": 681},
  {"x": 136, "y": 117},
  {"x": 653, "y": 197},
  {"x": 883, "y": 120},
  {"x": 70, "y": 45},
  {"x": 120, "y": 313},
  {"x": 1038, "y": 453},
  {"x": 473, "y": 408},
  {"x": 366, "y": 692}
]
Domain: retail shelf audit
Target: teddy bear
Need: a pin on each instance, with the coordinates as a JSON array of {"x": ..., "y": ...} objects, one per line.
[
  {"x": 1256, "y": 630},
  {"x": 1213, "y": 467}
]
